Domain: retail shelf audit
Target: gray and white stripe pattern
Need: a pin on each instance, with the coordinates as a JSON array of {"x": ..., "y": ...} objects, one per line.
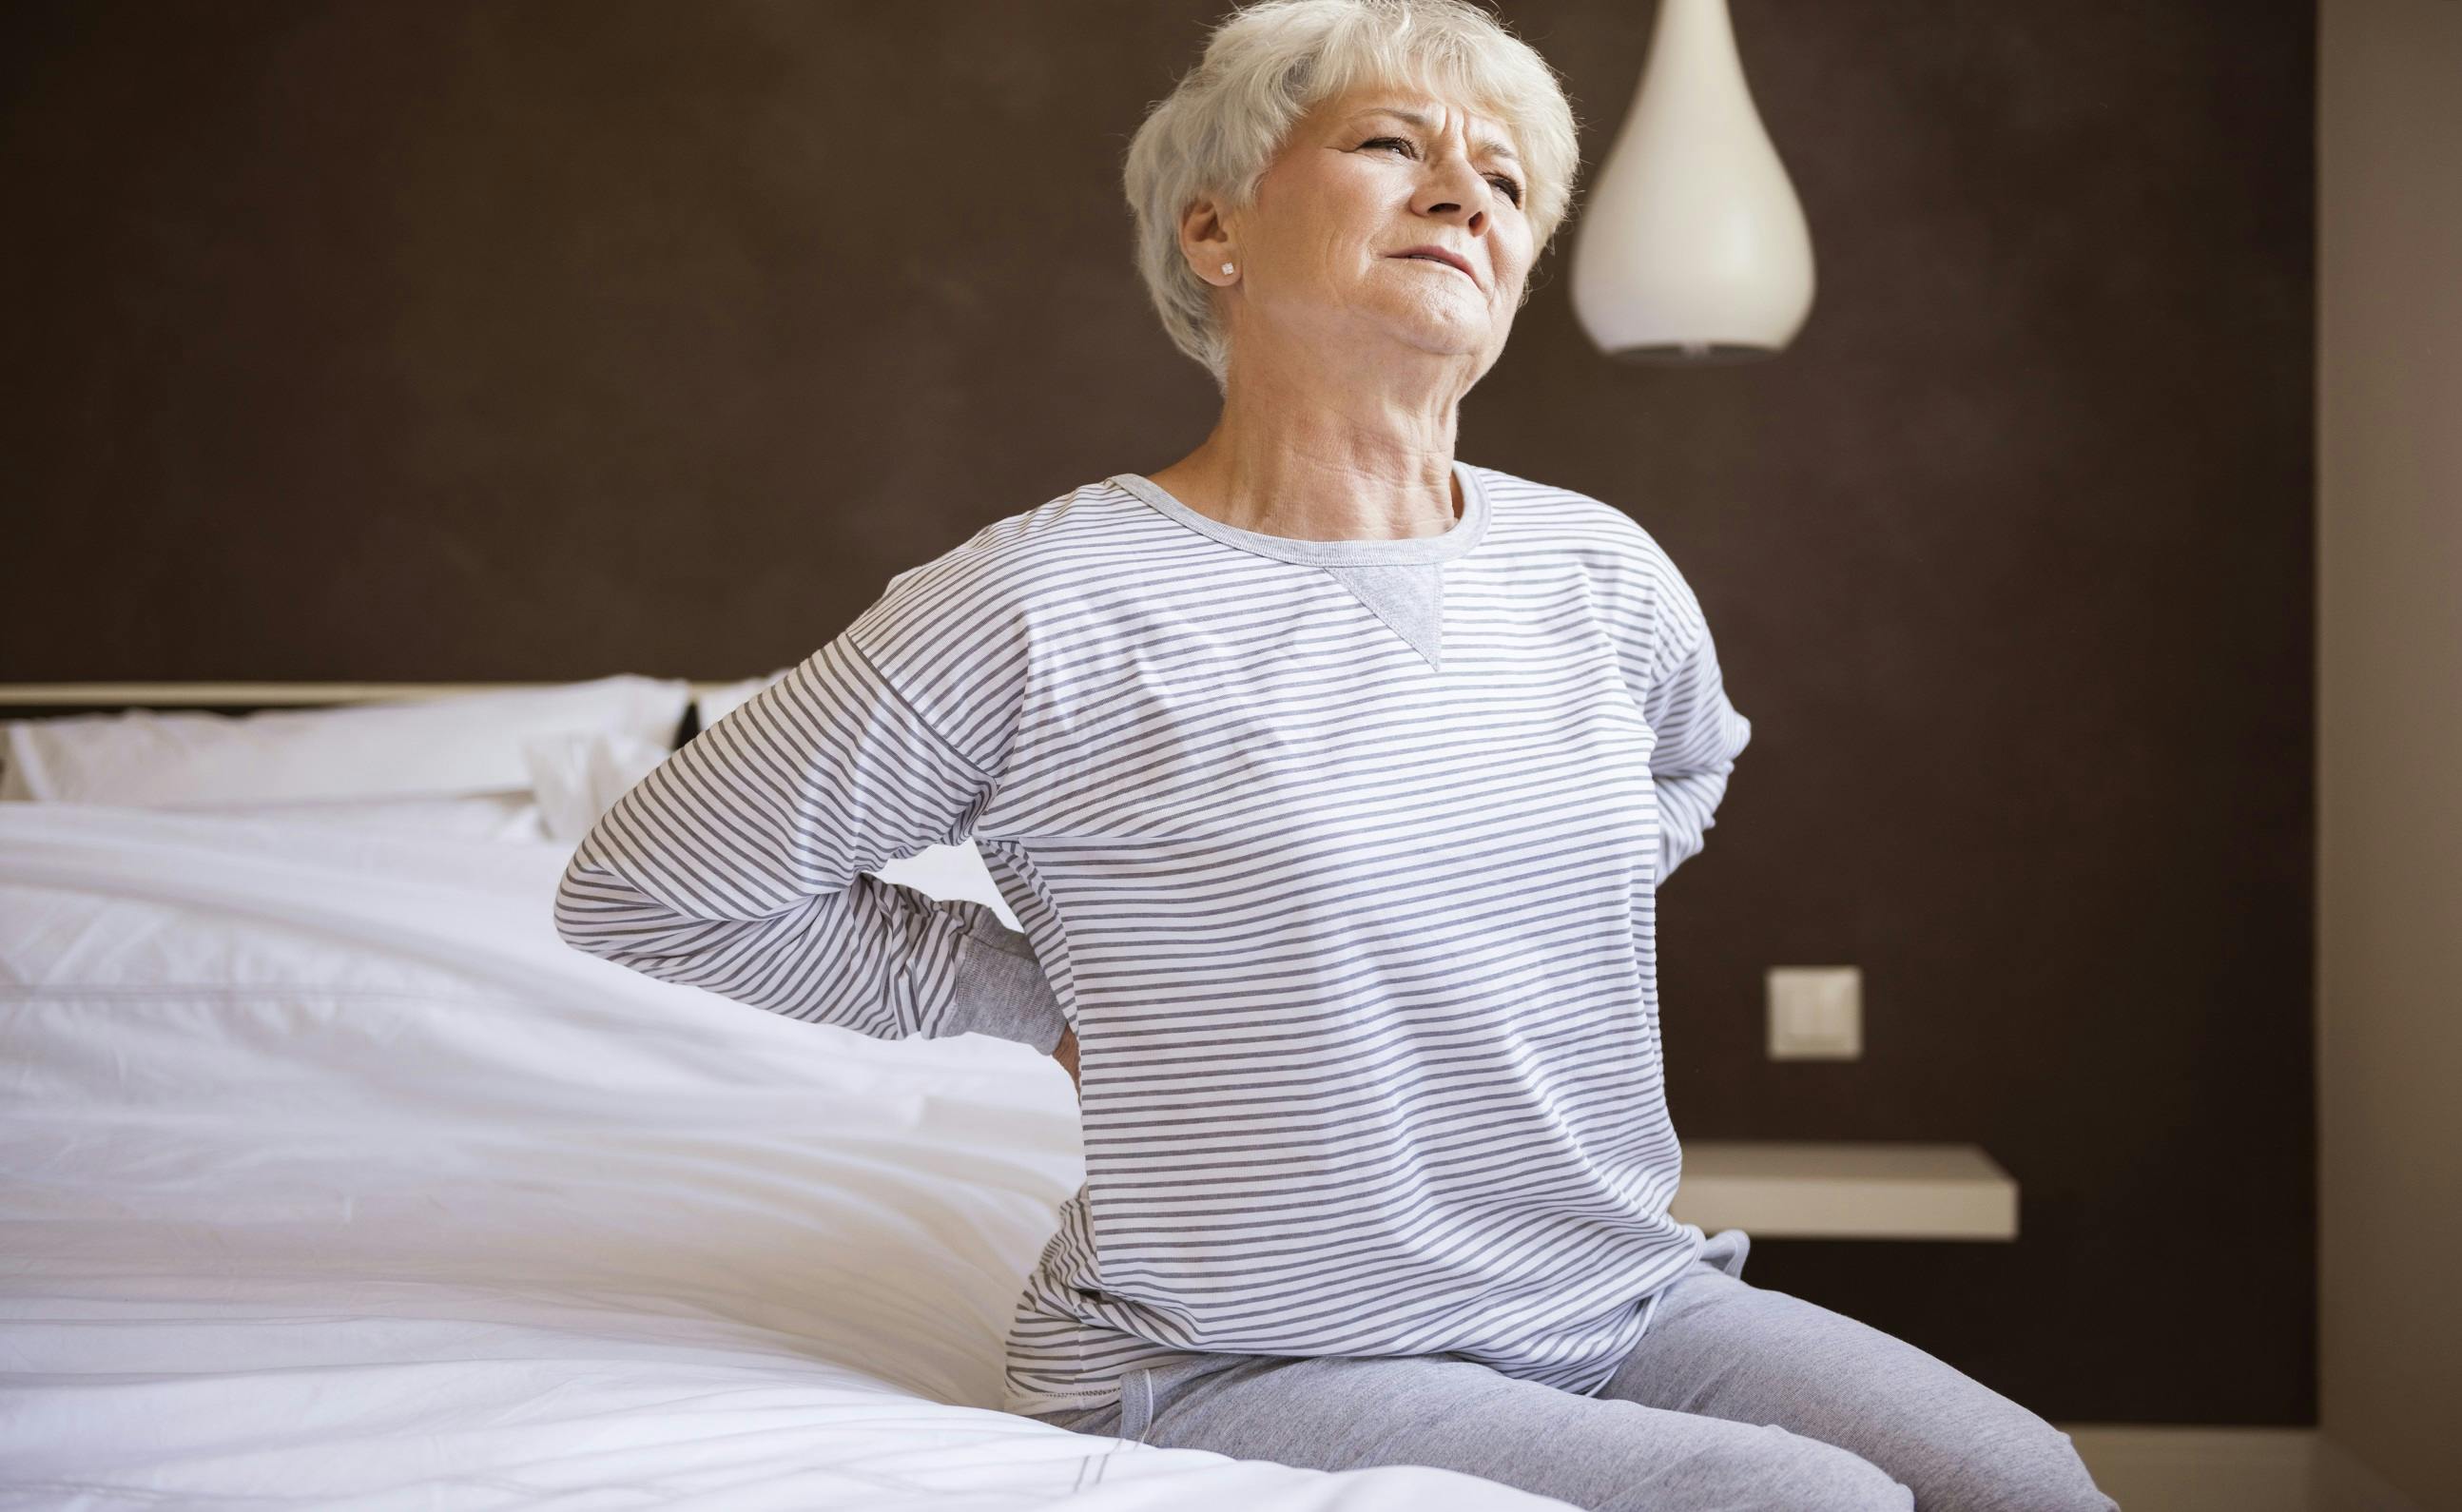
[{"x": 1340, "y": 855}]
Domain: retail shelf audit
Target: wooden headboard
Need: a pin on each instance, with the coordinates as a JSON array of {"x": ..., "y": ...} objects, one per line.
[{"x": 20, "y": 700}]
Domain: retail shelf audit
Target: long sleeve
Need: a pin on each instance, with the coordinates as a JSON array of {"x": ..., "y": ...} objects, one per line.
[
  {"x": 1699, "y": 733},
  {"x": 741, "y": 865}
]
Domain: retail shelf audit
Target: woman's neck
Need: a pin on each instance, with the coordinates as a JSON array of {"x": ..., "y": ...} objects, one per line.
[{"x": 1322, "y": 481}]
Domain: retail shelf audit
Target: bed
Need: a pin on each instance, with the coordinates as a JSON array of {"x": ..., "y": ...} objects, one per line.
[{"x": 335, "y": 1179}]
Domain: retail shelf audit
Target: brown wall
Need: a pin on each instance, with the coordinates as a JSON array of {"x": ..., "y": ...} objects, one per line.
[{"x": 455, "y": 341}]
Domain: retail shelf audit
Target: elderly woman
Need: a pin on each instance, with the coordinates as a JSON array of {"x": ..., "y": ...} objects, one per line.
[{"x": 1332, "y": 779}]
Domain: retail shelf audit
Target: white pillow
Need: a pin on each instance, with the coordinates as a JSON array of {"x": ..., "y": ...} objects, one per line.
[
  {"x": 482, "y": 816},
  {"x": 578, "y": 777},
  {"x": 442, "y": 748}
]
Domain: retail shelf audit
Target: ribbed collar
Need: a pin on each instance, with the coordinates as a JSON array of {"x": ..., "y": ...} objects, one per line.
[{"x": 1466, "y": 532}]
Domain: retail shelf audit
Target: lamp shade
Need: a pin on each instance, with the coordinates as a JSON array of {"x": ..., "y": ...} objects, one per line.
[{"x": 1691, "y": 247}]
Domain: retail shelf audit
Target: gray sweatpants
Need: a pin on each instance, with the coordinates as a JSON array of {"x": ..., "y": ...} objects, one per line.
[{"x": 1736, "y": 1397}]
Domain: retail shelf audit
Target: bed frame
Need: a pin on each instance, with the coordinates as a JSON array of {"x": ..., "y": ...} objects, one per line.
[{"x": 24, "y": 701}]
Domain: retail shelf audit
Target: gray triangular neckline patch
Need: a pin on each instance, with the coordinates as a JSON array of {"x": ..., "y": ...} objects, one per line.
[{"x": 1410, "y": 597}]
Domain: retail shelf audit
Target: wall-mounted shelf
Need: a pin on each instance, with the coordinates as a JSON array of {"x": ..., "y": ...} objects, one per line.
[{"x": 1773, "y": 1189}]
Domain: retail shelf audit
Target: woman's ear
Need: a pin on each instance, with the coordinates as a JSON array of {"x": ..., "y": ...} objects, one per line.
[{"x": 1206, "y": 243}]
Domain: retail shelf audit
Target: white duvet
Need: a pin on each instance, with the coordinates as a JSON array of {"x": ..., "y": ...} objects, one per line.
[{"x": 333, "y": 1179}]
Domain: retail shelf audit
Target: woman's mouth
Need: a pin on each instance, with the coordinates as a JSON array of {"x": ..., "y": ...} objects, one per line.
[{"x": 1433, "y": 258}]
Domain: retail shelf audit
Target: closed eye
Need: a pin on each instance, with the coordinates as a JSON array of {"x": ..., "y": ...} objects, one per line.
[{"x": 1510, "y": 185}]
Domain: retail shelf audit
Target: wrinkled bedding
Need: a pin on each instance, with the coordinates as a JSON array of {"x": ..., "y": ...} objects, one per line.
[{"x": 333, "y": 1179}]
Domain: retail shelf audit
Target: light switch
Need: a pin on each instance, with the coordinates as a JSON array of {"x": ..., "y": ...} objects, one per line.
[{"x": 1816, "y": 1013}]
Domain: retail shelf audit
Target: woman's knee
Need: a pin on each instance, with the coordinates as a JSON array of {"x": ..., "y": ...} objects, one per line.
[
  {"x": 1771, "y": 1468},
  {"x": 2037, "y": 1471}
]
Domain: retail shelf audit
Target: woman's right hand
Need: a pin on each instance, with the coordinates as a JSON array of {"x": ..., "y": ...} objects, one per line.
[{"x": 1066, "y": 1054}]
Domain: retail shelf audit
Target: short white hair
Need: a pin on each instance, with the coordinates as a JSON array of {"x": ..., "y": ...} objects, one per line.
[{"x": 1267, "y": 64}]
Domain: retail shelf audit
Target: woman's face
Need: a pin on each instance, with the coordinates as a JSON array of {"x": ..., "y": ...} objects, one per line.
[{"x": 1365, "y": 177}]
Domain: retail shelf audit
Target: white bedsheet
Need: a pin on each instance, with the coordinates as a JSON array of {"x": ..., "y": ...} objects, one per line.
[{"x": 333, "y": 1179}]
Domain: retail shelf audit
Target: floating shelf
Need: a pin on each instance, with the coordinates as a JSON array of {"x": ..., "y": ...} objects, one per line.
[{"x": 1824, "y": 1190}]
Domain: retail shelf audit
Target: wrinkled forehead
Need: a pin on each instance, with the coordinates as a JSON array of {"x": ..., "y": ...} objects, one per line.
[{"x": 1422, "y": 106}]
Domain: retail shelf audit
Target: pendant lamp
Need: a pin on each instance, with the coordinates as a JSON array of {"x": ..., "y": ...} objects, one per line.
[{"x": 1692, "y": 248}]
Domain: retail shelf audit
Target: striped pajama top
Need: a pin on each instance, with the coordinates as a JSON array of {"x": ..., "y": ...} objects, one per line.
[{"x": 1341, "y": 858}]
